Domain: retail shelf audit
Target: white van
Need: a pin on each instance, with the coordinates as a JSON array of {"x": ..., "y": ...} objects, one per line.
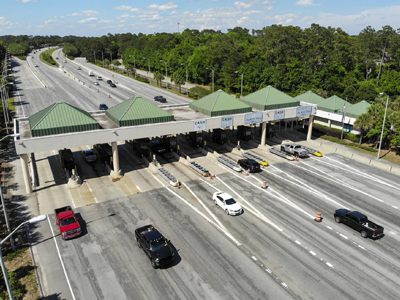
[{"x": 91, "y": 73}]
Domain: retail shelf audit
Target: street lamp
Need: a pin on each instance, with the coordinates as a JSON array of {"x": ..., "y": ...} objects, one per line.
[
  {"x": 383, "y": 126},
  {"x": 241, "y": 85},
  {"x": 166, "y": 72},
  {"x": 102, "y": 57},
  {"x": 187, "y": 82},
  {"x": 3, "y": 267},
  {"x": 212, "y": 78},
  {"x": 111, "y": 59},
  {"x": 148, "y": 60}
]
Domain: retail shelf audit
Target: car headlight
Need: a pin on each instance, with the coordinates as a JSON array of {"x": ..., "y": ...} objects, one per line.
[{"x": 157, "y": 260}]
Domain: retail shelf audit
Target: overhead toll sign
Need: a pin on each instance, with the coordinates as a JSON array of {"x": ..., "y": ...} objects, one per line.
[
  {"x": 226, "y": 121},
  {"x": 279, "y": 114},
  {"x": 200, "y": 125},
  {"x": 253, "y": 118},
  {"x": 303, "y": 111}
]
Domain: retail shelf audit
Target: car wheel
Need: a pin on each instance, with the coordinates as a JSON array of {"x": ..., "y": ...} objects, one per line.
[
  {"x": 138, "y": 244},
  {"x": 337, "y": 219},
  {"x": 227, "y": 212},
  {"x": 153, "y": 264},
  {"x": 364, "y": 234}
]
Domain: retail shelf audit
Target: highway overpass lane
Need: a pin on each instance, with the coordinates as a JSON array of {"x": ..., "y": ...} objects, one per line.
[{"x": 105, "y": 263}]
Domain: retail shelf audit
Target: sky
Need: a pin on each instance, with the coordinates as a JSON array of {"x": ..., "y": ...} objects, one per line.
[{"x": 99, "y": 17}]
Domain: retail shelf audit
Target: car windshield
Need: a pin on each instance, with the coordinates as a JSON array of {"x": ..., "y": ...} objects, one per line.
[
  {"x": 68, "y": 221},
  {"x": 88, "y": 153},
  {"x": 230, "y": 201},
  {"x": 158, "y": 244}
]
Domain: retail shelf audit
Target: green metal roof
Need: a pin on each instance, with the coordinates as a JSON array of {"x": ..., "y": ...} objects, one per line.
[
  {"x": 219, "y": 104},
  {"x": 309, "y": 97},
  {"x": 61, "y": 117},
  {"x": 270, "y": 98},
  {"x": 137, "y": 111},
  {"x": 357, "y": 109},
  {"x": 333, "y": 104}
]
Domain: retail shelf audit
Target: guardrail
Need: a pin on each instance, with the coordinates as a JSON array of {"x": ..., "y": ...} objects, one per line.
[
  {"x": 252, "y": 156},
  {"x": 312, "y": 151},
  {"x": 227, "y": 162},
  {"x": 168, "y": 176},
  {"x": 199, "y": 169},
  {"x": 281, "y": 153}
]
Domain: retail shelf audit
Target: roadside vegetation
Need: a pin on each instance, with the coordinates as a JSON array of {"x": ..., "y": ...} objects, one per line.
[{"x": 47, "y": 57}]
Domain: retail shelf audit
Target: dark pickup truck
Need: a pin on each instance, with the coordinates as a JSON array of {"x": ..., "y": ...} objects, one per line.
[
  {"x": 358, "y": 222},
  {"x": 67, "y": 222},
  {"x": 155, "y": 245}
]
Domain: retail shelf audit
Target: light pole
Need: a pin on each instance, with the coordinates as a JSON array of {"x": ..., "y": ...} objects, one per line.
[
  {"x": 212, "y": 78},
  {"x": 148, "y": 60},
  {"x": 3, "y": 267},
  {"x": 94, "y": 54},
  {"x": 187, "y": 82},
  {"x": 102, "y": 57},
  {"x": 383, "y": 126},
  {"x": 111, "y": 59},
  {"x": 241, "y": 85},
  {"x": 134, "y": 63},
  {"x": 166, "y": 72},
  {"x": 4, "y": 95}
]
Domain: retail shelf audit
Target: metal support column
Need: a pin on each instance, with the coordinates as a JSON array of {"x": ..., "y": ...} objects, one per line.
[
  {"x": 310, "y": 124},
  {"x": 263, "y": 133},
  {"x": 115, "y": 156}
]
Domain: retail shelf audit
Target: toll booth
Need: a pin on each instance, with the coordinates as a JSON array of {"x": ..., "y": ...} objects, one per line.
[
  {"x": 196, "y": 139},
  {"x": 219, "y": 136},
  {"x": 157, "y": 146},
  {"x": 66, "y": 159},
  {"x": 140, "y": 147},
  {"x": 103, "y": 152},
  {"x": 244, "y": 133},
  {"x": 171, "y": 142}
]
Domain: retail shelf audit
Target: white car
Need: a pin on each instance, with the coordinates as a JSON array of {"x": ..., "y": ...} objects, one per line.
[
  {"x": 99, "y": 78},
  {"x": 227, "y": 203},
  {"x": 96, "y": 83}
]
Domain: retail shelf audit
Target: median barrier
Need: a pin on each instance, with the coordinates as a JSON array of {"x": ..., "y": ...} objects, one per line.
[
  {"x": 344, "y": 152},
  {"x": 361, "y": 159},
  {"x": 328, "y": 147},
  {"x": 380, "y": 165},
  {"x": 395, "y": 170}
]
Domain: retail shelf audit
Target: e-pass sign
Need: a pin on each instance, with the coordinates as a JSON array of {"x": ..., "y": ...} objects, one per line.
[
  {"x": 226, "y": 121},
  {"x": 303, "y": 111},
  {"x": 253, "y": 118},
  {"x": 200, "y": 125},
  {"x": 279, "y": 114}
]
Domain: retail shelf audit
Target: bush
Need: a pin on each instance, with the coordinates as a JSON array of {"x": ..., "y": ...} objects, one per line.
[
  {"x": 193, "y": 96},
  {"x": 339, "y": 141},
  {"x": 18, "y": 289},
  {"x": 352, "y": 137},
  {"x": 142, "y": 80}
]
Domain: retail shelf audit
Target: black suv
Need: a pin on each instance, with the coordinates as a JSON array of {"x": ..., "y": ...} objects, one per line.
[
  {"x": 103, "y": 107},
  {"x": 160, "y": 99},
  {"x": 249, "y": 164},
  {"x": 109, "y": 81}
]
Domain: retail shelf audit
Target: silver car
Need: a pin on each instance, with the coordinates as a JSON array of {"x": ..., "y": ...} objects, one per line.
[{"x": 89, "y": 156}]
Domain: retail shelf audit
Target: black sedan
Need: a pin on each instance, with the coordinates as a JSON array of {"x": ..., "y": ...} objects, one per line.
[{"x": 160, "y": 99}]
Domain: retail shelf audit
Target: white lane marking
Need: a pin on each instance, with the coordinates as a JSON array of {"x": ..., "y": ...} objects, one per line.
[
  {"x": 395, "y": 207},
  {"x": 305, "y": 186},
  {"x": 360, "y": 173},
  {"x": 339, "y": 181},
  {"x": 254, "y": 258},
  {"x": 205, "y": 207},
  {"x": 279, "y": 197},
  {"x": 268, "y": 270},
  {"x": 139, "y": 189},
  {"x": 200, "y": 213},
  {"x": 62, "y": 263},
  {"x": 90, "y": 189},
  {"x": 361, "y": 247},
  {"x": 312, "y": 253},
  {"x": 392, "y": 232},
  {"x": 297, "y": 242},
  {"x": 329, "y": 265},
  {"x": 328, "y": 227},
  {"x": 343, "y": 236},
  {"x": 284, "y": 284},
  {"x": 20, "y": 102}
]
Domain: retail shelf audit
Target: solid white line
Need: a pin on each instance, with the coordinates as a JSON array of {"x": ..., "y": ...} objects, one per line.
[
  {"x": 254, "y": 258},
  {"x": 139, "y": 189},
  {"x": 330, "y": 265},
  {"x": 298, "y": 242},
  {"x": 62, "y": 264},
  {"x": 343, "y": 236},
  {"x": 313, "y": 253}
]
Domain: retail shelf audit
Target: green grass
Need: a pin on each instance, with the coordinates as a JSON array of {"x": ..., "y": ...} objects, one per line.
[{"x": 46, "y": 56}]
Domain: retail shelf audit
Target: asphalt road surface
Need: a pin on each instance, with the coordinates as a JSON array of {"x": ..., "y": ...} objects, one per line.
[{"x": 274, "y": 250}]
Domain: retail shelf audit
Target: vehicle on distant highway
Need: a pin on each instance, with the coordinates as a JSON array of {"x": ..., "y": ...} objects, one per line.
[
  {"x": 96, "y": 83},
  {"x": 155, "y": 245},
  {"x": 160, "y": 99},
  {"x": 65, "y": 60},
  {"x": 36, "y": 65},
  {"x": 99, "y": 78},
  {"x": 67, "y": 222},
  {"x": 113, "y": 84},
  {"x": 250, "y": 165},
  {"x": 359, "y": 222},
  {"x": 79, "y": 68},
  {"x": 89, "y": 156},
  {"x": 109, "y": 81},
  {"x": 91, "y": 73},
  {"x": 103, "y": 106},
  {"x": 56, "y": 57},
  {"x": 227, "y": 203}
]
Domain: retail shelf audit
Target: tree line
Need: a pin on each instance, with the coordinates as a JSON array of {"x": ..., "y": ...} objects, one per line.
[{"x": 325, "y": 60}]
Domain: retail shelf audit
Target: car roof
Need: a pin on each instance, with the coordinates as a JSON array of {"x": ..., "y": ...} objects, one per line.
[
  {"x": 224, "y": 195},
  {"x": 88, "y": 151}
]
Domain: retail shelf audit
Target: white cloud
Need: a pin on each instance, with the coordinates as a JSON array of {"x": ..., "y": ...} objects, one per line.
[
  {"x": 106, "y": 21},
  {"x": 123, "y": 7},
  {"x": 124, "y": 16},
  {"x": 169, "y": 5},
  {"x": 239, "y": 4},
  {"x": 305, "y": 2},
  {"x": 284, "y": 19},
  {"x": 4, "y": 21},
  {"x": 47, "y": 22},
  {"x": 25, "y": 1},
  {"x": 90, "y": 12},
  {"x": 74, "y": 15},
  {"x": 87, "y": 20},
  {"x": 253, "y": 12},
  {"x": 242, "y": 20},
  {"x": 135, "y": 9}
]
